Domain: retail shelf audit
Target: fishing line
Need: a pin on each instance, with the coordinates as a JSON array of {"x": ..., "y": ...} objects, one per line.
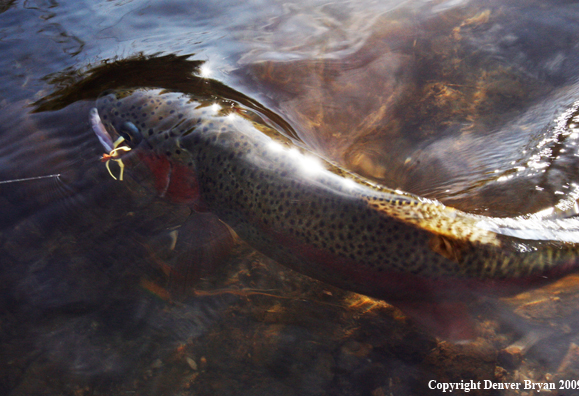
[
  {"x": 57, "y": 175},
  {"x": 55, "y": 193}
]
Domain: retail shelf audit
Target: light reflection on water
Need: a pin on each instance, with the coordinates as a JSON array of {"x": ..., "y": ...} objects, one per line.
[{"x": 469, "y": 102}]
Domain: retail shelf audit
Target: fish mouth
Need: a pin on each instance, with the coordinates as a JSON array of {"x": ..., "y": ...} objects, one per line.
[{"x": 112, "y": 139}]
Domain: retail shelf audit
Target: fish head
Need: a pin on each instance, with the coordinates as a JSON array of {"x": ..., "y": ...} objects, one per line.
[
  {"x": 139, "y": 116},
  {"x": 153, "y": 123}
]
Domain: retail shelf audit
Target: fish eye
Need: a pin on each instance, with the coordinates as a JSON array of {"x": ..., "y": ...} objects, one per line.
[{"x": 131, "y": 133}]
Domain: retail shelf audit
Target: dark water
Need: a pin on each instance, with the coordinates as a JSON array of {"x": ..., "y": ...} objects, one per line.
[{"x": 470, "y": 102}]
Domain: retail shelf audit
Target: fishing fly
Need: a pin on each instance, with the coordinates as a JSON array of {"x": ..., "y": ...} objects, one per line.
[
  {"x": 113, "y": 156},
  {"x": 107, "y": 142}
]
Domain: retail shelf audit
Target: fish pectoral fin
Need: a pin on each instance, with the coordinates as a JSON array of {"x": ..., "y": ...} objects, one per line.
[
  {"x": 451, "y": 249},
  {"x": 188, "y": 253},
  {"x": 448, "y": 320},
  {"x": 201, "y": 247}
]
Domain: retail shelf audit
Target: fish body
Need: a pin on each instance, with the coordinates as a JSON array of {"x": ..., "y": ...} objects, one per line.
[{"x": 328, "y": 223}]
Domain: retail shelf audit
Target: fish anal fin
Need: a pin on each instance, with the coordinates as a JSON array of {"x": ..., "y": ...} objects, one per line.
[{"x": 448, "y": 320}]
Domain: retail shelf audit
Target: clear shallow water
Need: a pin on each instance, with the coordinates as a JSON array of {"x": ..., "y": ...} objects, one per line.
[{"x": 469, "y": 102}]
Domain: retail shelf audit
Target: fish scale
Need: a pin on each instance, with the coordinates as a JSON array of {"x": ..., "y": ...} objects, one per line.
[{"x": 328, "y": 223}]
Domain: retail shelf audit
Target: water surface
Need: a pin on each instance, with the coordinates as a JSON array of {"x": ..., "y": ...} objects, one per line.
[{"x": 470, "y": 102}]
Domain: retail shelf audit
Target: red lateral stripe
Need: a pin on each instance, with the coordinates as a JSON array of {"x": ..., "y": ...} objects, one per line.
[{"x": 395, "y": 286}]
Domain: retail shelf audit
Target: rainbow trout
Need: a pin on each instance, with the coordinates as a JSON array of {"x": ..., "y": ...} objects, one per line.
[{"x": 325, "y": 222}]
